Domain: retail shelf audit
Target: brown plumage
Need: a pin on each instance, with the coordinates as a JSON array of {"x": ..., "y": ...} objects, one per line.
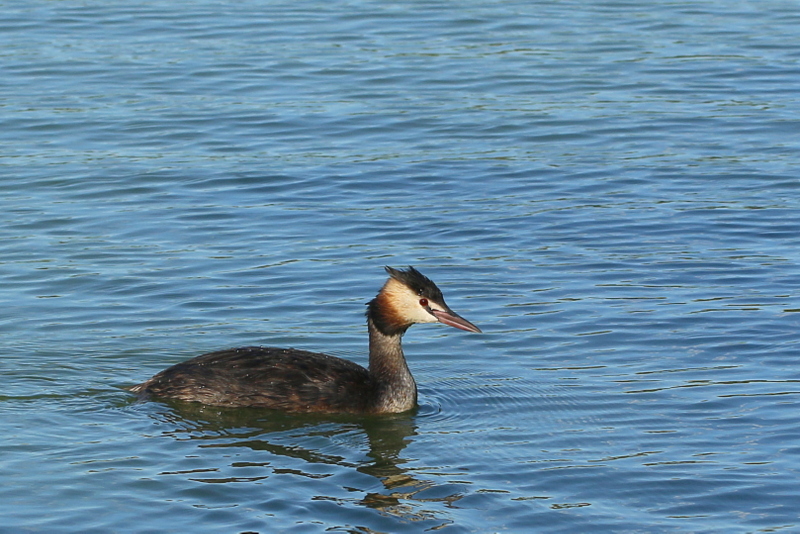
[{"x": 300, "y": 381}]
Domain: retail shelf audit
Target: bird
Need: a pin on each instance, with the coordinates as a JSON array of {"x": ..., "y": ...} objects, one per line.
[{"x": 293, "y": 380}]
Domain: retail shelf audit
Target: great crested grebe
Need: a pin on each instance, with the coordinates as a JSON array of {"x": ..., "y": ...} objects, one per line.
[{"x": 299, "y": 381}]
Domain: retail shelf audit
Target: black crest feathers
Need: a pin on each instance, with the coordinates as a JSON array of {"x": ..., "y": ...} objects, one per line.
[{"x": 417, "y": 282}]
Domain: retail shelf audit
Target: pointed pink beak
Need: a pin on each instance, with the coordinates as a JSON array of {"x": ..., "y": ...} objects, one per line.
[{"x": 451, "y": 318}]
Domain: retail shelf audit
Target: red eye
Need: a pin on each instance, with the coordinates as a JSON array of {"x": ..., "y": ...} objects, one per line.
[{"x": 423, "y": 303}]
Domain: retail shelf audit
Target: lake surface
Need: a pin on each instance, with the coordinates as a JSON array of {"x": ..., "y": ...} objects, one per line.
[{"x": 609, "y": 190}]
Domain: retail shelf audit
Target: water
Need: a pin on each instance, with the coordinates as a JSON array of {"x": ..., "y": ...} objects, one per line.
[{"x": 608, "y": 189}]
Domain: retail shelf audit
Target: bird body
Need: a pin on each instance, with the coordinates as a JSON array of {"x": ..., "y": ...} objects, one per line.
[{"x": 295, "y": 380}]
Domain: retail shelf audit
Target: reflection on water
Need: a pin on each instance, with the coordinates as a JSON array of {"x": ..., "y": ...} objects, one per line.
[{"x": 307, "y": 437}]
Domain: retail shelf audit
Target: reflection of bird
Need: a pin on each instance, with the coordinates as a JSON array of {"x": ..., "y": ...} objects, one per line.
[{"x": 300, "y": 381}]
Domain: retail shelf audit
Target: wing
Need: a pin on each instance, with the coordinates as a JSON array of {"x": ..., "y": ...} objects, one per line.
[{"x": 268, "y": 377}]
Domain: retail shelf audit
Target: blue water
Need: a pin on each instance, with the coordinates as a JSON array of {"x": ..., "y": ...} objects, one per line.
[{"x": 608, "y": 189}]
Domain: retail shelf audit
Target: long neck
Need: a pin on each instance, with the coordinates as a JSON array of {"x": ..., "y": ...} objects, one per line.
[{"x": 395, "y": 387}]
